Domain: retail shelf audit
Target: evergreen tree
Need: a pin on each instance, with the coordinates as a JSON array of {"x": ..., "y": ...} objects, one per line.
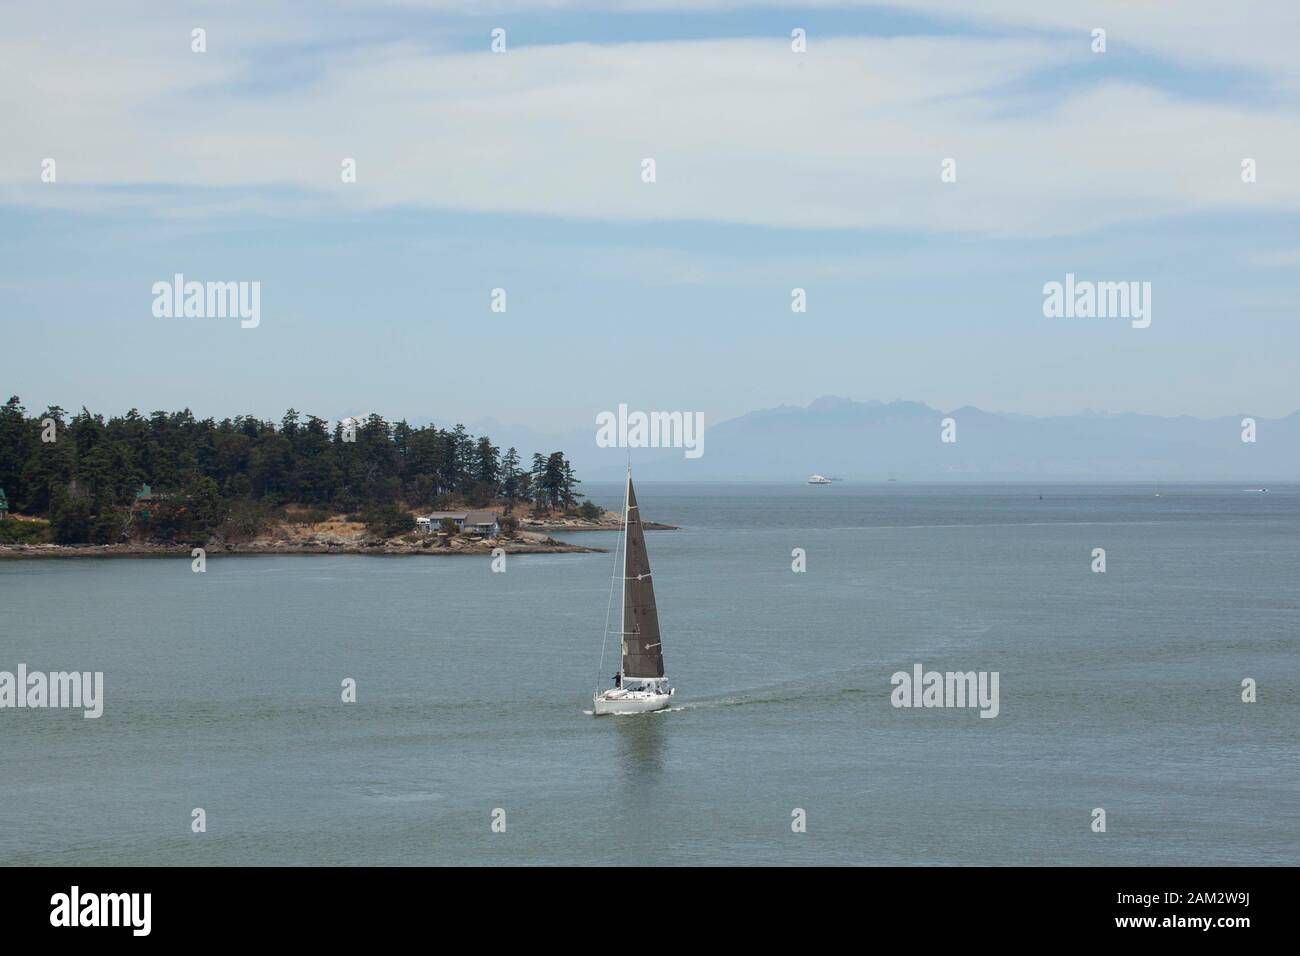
[
  {"x": 537, "y": 479},
  {"x": 510, "y": 483},
  {"x": 487, "y": 463},
  {"x": 568, "y": 483},
  {"x": 236, "y": 473}
]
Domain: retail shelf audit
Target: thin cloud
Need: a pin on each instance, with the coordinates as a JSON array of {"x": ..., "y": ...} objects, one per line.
[{"x": 849, "y": 135}]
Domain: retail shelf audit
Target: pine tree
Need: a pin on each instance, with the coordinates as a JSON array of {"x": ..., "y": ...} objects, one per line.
[
  {"x": 568, "y": 483},
  {"x": 510, "y": 479}
]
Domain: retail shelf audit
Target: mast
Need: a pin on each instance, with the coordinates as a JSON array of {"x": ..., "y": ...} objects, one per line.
[{"x": 622, "y": 637}]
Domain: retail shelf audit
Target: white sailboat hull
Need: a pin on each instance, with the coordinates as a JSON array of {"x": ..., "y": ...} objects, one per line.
[{"x": 620, "y": 701}]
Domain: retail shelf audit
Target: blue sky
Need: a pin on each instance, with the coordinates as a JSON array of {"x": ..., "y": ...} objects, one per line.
[{"x": 776, "y": 170}]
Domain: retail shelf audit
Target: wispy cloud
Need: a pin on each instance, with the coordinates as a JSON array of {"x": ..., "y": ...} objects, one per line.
[
  {"x": 1276, "y": 258},
  {"x": 849, "y": 135}
]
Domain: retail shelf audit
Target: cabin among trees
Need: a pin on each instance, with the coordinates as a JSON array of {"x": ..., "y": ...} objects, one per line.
[
  {"x": 172, "y": 477},
  {"x": 144, "y": 500}
]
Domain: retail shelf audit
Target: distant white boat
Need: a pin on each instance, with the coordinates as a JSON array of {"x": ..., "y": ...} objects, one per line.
[{"x": 818, "y": 480}]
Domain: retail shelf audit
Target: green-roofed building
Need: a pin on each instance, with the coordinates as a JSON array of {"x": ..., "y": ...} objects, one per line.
[{"x": 143, "y": 499}]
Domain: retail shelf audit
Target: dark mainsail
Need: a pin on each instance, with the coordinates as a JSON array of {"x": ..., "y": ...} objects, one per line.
[{"x": 642, "y": 650}]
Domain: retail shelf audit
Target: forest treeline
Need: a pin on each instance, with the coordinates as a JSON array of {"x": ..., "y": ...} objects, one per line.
[{"x": 84, "y": 472}]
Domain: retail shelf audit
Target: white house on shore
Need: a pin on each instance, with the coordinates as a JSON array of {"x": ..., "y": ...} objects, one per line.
[
  {"x": 482, "y": 522},
  {"x": 433, "y": 520},
  {"x": 474, "y": 522}
]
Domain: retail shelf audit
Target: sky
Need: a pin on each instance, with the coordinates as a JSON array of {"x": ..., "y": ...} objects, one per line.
[{"x": 774, "y": 170}]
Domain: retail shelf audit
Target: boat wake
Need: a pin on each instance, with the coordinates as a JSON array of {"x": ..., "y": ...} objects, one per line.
[{"x": 781, "y": 695}]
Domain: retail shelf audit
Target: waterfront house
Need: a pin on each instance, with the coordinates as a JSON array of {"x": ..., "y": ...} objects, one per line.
[
  {"x": 473, "y": 522},
  {"x": 433, "y": 521},
  {"x": 482, "y": 522}
]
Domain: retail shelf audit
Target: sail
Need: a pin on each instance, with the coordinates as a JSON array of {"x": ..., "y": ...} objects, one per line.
[{"x": 642, "y": 650}]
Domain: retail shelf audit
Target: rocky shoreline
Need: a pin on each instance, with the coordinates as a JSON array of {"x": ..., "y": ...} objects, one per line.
[
  {"x": 544, "y": 546},
  {"x": 340, "y": 536},
  {"x": 610, "y": 521}
]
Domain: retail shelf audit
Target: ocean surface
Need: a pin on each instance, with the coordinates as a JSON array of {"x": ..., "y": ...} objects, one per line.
[{"x": 1119, "y": 691}]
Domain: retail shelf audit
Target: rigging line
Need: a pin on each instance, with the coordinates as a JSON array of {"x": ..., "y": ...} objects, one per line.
[{"x": 609, "y": 606}]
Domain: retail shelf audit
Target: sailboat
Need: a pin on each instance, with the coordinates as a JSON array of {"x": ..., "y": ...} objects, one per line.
[{"x": 640, "y": 685}]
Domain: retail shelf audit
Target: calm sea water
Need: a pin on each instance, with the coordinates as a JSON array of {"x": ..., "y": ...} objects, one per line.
[{"x": 1118, "y": 690}]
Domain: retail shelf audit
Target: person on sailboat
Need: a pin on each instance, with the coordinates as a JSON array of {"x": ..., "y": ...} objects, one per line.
[{"x": 618, "y": 679}]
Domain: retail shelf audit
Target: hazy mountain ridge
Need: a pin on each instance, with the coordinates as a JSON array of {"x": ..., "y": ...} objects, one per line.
[{"x": 876, "y": 441}]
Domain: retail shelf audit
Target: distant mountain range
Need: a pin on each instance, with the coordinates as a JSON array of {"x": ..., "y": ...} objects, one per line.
[{"x": 876, "y": 441}]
